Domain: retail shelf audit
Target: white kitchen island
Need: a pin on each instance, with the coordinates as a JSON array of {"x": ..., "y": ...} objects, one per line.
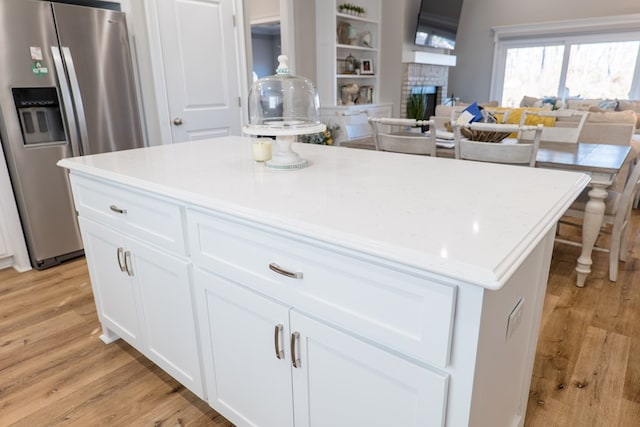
[{"x": 368, "y": 289}]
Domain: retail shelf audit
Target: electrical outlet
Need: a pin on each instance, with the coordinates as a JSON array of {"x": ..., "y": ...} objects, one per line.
[{"x": 515, "y": 318}]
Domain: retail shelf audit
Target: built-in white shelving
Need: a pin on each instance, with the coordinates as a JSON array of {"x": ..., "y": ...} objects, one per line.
[
  {"x": 340, "y": 35},
  {"x": 334, "y": 45}
]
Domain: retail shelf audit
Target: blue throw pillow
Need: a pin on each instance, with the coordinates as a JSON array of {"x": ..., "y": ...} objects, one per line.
[{"x": 474, "y": 110}]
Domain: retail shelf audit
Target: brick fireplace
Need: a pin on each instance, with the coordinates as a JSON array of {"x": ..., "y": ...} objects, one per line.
[{"x": 424, "y": 77}]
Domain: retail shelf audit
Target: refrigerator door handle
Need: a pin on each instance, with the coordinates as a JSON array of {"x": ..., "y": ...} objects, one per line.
[
  {"x": 72, "y": 129},
  {"x": 75, "y": 90}
]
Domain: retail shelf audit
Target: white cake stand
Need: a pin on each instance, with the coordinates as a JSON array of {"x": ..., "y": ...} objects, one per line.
[{"x": 283, "y": 156}]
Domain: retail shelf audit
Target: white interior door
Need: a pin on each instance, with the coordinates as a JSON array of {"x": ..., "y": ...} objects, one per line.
[{"x": 200, "y": 52}]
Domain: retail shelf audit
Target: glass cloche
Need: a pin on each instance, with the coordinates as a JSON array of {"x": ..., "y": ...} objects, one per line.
[{"x": 284, "y": 105}]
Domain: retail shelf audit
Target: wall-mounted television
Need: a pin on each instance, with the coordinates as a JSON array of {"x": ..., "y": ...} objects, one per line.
[{"x": 438, "y": 23}]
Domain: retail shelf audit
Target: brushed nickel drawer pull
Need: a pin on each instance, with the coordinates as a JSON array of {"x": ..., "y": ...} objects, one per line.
[
  {"x": 127, "y": 262},
  {"x": 116, "y": 209},
  {"x": 275, "y": 267},
  {"x": 277, "y": 334},
  {"x": 120, "y": 257},
  {"x": 295, "y": 359}
]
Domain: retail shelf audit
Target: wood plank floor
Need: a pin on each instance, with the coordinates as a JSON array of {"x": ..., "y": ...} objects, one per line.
[
  {"x": 54, "y": 370},
  {"x": 587, "y": 366}
]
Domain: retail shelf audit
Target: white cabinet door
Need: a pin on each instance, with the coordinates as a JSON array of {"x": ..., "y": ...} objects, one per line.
[
  {"x": 170, "y": 338},
  {"x": 338, "y": 380},
  {"x": 114, "y": 295},
  {"x": 201, "y": 66},
  {"x": 342, "y": 381},
  {"x": 143, "y": 296},
  {"x": 245, "y": 352}
]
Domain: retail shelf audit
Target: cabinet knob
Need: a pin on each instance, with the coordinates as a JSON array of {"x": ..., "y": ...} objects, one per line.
[{"x": 177, "y": 121}]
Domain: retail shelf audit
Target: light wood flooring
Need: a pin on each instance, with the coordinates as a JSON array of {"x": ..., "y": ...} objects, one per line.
[
  {"x": 587, "y": 366},
  {"x": 55, "y": 371}
]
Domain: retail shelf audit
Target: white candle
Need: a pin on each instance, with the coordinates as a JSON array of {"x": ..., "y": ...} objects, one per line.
[{"x": 262, "y": 151}]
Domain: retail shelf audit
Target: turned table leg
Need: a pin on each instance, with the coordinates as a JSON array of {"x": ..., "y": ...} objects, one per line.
[{"x": 593, "y": 218}]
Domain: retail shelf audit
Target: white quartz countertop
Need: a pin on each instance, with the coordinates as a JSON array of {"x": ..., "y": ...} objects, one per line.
[{"x": 465, "y": 220}]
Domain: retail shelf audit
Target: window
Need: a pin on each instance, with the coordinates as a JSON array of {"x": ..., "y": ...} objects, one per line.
[
  {"x": 602, "y": 70},
  {"x": 533, "y": 71},
  {"x": 584, "y": 58}
]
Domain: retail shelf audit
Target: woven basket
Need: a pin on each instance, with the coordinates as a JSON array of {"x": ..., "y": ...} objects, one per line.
[{"x": 479, "y": 135}]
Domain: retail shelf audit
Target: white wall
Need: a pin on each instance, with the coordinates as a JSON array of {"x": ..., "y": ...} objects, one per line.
[
  {"x": 10, "y": 225},
  {"x": 261, "y": 11},
  {"x": 470, "y": 79},
  {"x": 304, "y": 21},
  {"x": 393, "y": 33}
]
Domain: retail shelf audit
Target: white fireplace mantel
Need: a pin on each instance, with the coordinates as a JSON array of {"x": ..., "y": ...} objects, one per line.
[{"x": 420, "y": 57}]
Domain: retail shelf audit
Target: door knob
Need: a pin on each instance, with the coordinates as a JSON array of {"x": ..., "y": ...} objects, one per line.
[{"x": 177, "y": 121}]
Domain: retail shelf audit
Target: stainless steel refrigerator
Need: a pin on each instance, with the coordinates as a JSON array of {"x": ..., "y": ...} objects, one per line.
[{"x": 66, "y": 89}]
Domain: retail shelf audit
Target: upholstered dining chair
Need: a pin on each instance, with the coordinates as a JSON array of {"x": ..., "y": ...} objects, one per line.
[
  {"x": 510, "y": 152},
  {"x": 616, "y": 220},
  {"x": 392, "y": 134},
  {"x": 567, "y": 131}
]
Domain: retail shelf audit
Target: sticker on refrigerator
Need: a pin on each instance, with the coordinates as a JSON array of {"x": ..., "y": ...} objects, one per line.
[
  {"x": 36, "y": 53},
  {"x": 39, "y": 69}
]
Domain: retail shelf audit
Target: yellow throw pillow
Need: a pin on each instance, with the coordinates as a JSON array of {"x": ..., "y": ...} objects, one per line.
[{"x": 514, "y": 115}]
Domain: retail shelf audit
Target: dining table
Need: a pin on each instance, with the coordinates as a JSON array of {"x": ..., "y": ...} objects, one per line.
[{"x": 602, "y": 162}]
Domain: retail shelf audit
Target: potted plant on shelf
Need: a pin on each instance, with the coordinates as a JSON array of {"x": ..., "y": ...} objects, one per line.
[{"x": 351, "y": 9}]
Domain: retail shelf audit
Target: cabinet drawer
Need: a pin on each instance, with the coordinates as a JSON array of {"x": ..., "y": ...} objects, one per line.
[
  {"x": 131, "y": 212},
  {"x": 411, "y": 314}
]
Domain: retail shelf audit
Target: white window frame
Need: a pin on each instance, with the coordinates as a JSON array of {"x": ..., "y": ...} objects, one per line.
[{"x": 567, "y": 33}]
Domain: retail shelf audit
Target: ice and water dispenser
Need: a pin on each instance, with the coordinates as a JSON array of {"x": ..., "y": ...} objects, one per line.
[{"x": 40, "y": 115}]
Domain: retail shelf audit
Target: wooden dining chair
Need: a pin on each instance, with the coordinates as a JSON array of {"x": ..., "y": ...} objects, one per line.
[
  {"x": 509, "y": 152},
  {"x": 396, "y": 135},
  {"x": 617, "y": 212},
  {"x": 567, "y": 131}
]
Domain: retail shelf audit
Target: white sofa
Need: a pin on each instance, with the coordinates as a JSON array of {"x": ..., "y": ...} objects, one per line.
[
  {"x": 610, "y": 127},
  {"x": 595, "y": 105}
]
